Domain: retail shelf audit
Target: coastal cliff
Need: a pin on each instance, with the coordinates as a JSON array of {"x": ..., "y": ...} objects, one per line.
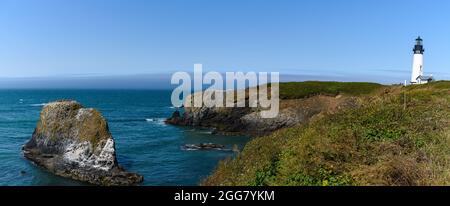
[
  {"x": 336, "y": 133},
  {"x": 75, "y": 142},
  {"x": 311, "y": 100},
  {"x": 394, "y": 136}
]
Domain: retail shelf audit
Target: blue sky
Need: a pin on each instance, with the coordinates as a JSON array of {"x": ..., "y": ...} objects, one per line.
[{"x": 344, "y": 40}]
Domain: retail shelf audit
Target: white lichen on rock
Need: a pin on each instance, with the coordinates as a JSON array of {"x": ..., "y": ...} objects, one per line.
[
  {"x": 81, "y": 154},
  {"x": 83, "y": 113}
]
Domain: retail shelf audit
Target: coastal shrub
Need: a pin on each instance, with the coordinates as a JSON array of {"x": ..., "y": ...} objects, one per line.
[
  {"x": 265, "y": 176},
  {"x": 323, "y": 177}
]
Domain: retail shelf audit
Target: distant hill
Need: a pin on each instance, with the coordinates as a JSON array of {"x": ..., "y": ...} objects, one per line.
[{"x": 394, "y": 136}]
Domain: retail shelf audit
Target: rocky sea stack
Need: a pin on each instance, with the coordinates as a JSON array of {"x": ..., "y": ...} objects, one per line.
[{"x": 75, "y": 142}]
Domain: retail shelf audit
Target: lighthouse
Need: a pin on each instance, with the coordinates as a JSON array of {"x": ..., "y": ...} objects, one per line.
[
  {"x": 417, "y": 76},
  {"x": 417, "y": 69}
]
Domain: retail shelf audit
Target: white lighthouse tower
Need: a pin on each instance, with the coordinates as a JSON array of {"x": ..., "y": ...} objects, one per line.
[
  {"x": 417, "y": 76},
  {"x": 417, "y": 69}
]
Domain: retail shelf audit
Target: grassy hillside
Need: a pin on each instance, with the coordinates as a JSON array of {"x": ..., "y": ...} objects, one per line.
[
  {"x": 397, "y": 136},
  {"x": 297, "y": 90}
]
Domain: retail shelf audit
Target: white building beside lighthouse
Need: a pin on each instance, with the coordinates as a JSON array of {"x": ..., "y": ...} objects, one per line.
[{"x": 417, "y": 76}]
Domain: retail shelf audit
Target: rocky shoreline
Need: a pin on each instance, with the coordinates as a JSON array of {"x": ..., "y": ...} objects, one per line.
[
  {"x": 75, "y": 142},
  {"x": 247, "y": 121}
]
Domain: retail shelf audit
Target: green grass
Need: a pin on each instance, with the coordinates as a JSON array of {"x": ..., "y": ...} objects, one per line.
[
  {"x": 297, "y": 90},
  {"x": 59, "y": 122},
  {"x": 381, "y": 142}
]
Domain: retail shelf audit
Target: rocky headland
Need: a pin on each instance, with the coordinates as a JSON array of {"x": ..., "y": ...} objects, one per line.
[
  {"x": 75, "y": 142},
  {"x": 359, "y": 134},
  {"x": 248, "y": 121}
]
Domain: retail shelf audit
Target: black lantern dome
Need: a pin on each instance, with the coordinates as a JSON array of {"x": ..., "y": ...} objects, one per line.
[{"x": 418, "y": 48}]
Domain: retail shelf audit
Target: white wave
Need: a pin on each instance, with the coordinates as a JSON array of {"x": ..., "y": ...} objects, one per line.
[
  {"x": 189, "y": 149},
  {"x": 38, "y": 105},
  {"x": 159, "y": 121},
  {"x": 206, "y": 132}
]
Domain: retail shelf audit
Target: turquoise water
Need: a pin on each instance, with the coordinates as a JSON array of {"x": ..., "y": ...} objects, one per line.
[{"x": 144, "y": 143}]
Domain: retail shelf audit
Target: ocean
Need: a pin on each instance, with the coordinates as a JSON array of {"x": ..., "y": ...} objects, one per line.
[{"x": 144, "y": 144}]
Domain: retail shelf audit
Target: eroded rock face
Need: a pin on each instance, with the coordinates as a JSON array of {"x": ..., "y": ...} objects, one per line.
[
  {"x": 248, "y": 121},
  {"x": 75, "y": 142}
]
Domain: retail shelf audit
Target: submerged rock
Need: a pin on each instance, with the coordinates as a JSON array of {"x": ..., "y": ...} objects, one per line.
[
  {"x": 75, "y": 142},
  {"x": 175, "y": 119},
  {"x": 204, "y": 146}
]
